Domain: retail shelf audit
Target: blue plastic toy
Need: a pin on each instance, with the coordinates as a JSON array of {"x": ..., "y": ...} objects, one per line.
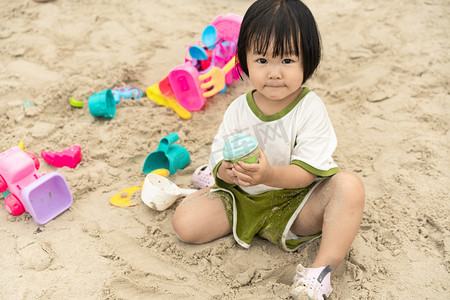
[
  {"x": 168, "y": 156},
  {"x": 126, "y": 92},
  {"x": 209, "y": 36},
  {"x": 102, "y": 104}
]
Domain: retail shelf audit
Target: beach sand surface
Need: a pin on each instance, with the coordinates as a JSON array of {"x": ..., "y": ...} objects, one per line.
[{"x": 384, "y": 78}]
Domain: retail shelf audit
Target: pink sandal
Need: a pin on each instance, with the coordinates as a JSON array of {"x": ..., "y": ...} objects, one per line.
[
  {"x": 203, "y": 177},
  {"x": 312, "y": 283}
]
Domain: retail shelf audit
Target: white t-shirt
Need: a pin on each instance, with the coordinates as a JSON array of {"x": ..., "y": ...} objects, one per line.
[{"x": 302, "y": 132}]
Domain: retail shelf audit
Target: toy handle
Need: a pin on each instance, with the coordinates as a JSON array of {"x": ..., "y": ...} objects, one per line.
[
  {"x": 186, "y": 192},
  {"x": 229, "y": 66},
  {"x": 183, "y": 113},
  {"x": 216, "y": 77},
  {"x": 167, "y": 141}
]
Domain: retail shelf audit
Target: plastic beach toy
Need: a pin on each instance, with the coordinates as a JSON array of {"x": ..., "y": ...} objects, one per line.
[
  {"x": 227, "y": 26},
  {"x": 44, "y": 197},
  {"x": 222, "y": 54},
  {"x": 28, "y": 103},
  {"x": 203, "y": 177},
  {"x": 168, "y": 156},
  {"x": 160, "y": 193},
  {"x": 241, "y": 147},
  {"x": 215, "y": 79},
  {"x": 165, "y": 88},
  {"x": 155, "y": 95},
  {"x": 198, "y": 52},
  {"x": 185, "y": 83},
  {"x": 209, "y": 36},
  {"x": 66, "y": 158},
  {"x": 102, "y": 104},
  {"x": 76, "y": 103},
  {"x": 122, "y": 198},
  {"x": 126, "y": 92},
  {"x": 47, "y": 197}
]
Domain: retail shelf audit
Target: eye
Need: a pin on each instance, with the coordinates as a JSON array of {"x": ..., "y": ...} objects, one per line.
[
  {"x": 261, "y": 60},
  {"x": 288, "y": 61}
]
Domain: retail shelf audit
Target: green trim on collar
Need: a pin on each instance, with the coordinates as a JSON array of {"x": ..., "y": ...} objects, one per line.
[
  {"x": 267, "y": 118},
  {"x": 320, "y": 173}
]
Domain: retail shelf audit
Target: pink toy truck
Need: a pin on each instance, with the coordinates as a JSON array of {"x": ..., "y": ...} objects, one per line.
[{"x": 43, "y": 197}]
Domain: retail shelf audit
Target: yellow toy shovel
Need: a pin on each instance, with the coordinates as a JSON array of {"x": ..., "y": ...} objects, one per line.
[
  {"x": 215, "y": 78},
  {"x": 155, "y": 95},
  {"x": 123, "y": 198}
]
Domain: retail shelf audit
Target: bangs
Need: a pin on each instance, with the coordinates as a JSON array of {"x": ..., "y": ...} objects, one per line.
[
  {"x": 278, "y": 31},
  {"x": 287, "y": 27}
]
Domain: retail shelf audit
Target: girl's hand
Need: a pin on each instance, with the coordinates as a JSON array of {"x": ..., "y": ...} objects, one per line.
[
  {"x": 226, "y": 172},
  {"x": 252, "y": 174}
]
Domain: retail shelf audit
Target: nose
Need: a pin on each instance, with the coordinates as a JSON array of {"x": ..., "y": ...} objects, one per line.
[{"x": 274, "y": 73}]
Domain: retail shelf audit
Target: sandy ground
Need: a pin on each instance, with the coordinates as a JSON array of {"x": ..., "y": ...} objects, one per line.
[{"x": 385, "y": 81}]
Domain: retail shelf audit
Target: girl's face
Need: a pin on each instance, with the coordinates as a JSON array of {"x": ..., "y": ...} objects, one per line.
[{"x": 275, "y": 78}]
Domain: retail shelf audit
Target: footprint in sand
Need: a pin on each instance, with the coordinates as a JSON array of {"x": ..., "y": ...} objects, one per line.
[{"x": 36, "y": 257}]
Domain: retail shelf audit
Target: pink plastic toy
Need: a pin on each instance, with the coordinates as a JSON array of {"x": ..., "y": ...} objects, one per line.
[
  {"x": 183, "y": 81},
  {"x": 66, "y": 158},
  {"x": 186, "y": 87},
  {"x": 43, "y": 197},
  {"x": 165, "y": 88}
]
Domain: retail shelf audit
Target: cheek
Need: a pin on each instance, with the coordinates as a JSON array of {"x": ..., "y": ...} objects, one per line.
[
  {"x": 296, "y": 76},
  {"x": 253, "y": 73},
  {"x": 256, "y": 78}
]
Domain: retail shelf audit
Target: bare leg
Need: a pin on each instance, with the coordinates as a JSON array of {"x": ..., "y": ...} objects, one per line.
[
  {"x": 200, "y": 218},
  {"x": 335, "y": 208}
]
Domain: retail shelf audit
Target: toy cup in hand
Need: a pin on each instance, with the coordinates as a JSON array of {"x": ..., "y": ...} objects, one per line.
[{"x": 241, "y": 147}]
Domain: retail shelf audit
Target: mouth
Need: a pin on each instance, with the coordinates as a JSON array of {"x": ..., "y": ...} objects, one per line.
[{"x": 274, "y": 86}]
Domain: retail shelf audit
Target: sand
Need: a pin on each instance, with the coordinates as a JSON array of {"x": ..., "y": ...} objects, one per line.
[{"x": 384, "y": 79}]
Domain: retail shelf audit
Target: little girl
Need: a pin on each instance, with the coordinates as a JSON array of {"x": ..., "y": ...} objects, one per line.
[{"x": 295, "y": 193}]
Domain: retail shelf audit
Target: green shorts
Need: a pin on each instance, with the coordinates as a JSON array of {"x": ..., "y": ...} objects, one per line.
[{"x": 269, "y": 215}]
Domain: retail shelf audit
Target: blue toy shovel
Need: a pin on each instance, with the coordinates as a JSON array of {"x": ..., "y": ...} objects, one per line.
[
  {"x": 168, "y": 156},
  {"x": 209, "y": 36},
  {"x": 198, "y": 52}
]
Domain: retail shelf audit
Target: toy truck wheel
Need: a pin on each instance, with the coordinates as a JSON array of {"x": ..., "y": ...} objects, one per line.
[
  {"x": 3, "y": 185},
  {"x": 33, "y": 156},
  {"x": 13, "y": 205}
]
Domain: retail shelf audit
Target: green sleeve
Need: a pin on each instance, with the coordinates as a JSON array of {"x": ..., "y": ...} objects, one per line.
[{"x": 320, "y": 173}]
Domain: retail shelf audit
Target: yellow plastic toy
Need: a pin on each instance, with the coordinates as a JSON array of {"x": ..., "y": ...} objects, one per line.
[
  {"x": 122, "y": 198},
  {"x": 155, "y": 95},
  {"x": 216, "y": 78},
  {"x": 161, "y": 172},
  {"x": 76, "y": 103}
]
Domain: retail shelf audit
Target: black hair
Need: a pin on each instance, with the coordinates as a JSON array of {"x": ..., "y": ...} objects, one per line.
[{"x": 289, "y": 24}]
